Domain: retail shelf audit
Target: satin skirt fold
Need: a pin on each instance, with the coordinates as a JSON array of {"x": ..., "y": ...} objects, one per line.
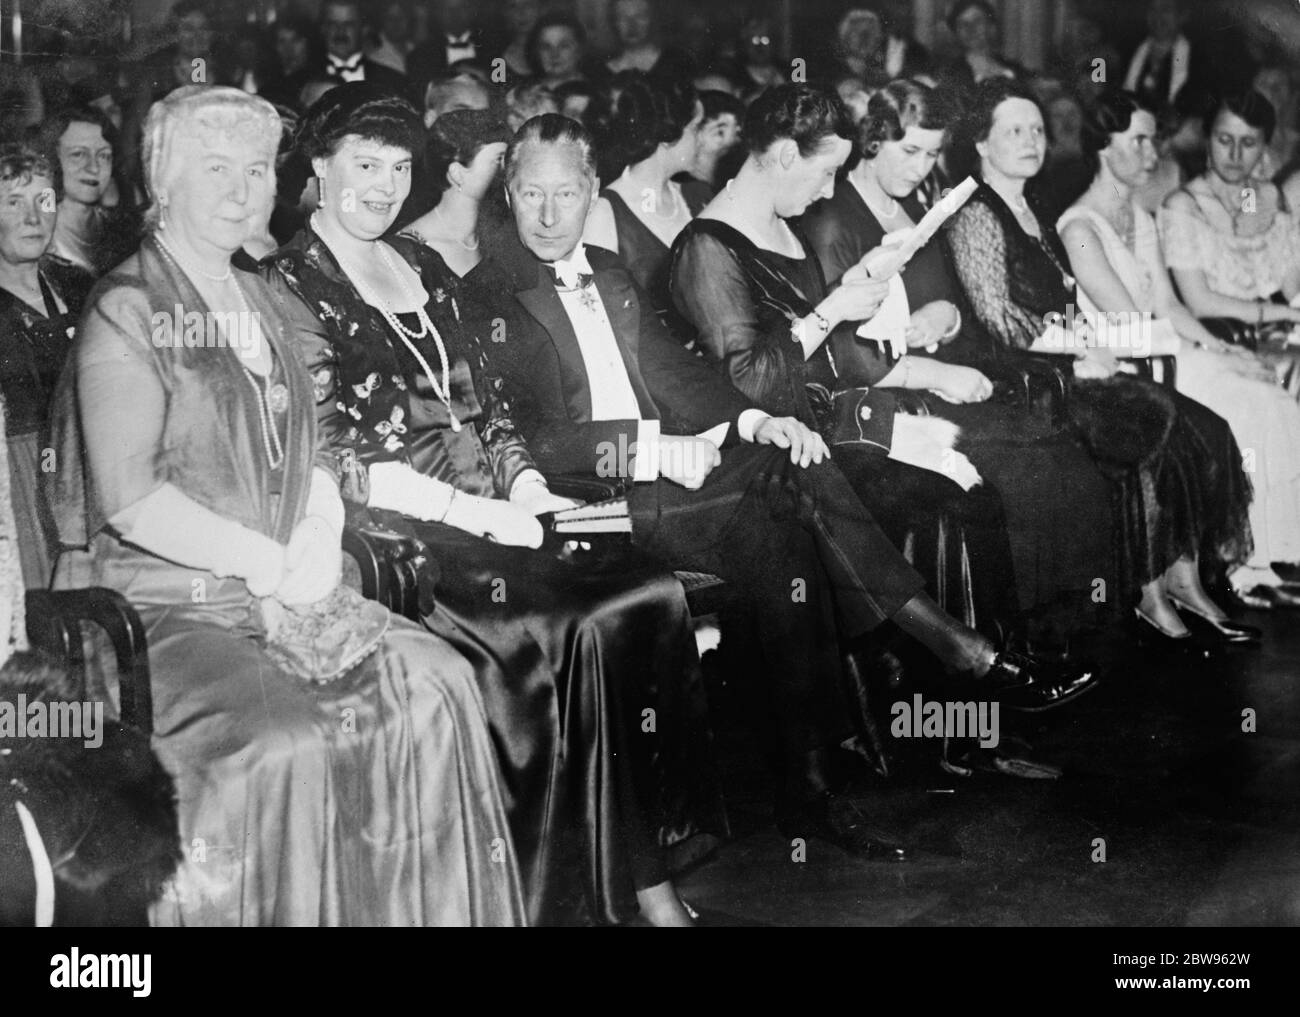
[
  {"x": 589, "y": 674},
  {"x": 372, "y": 801}
]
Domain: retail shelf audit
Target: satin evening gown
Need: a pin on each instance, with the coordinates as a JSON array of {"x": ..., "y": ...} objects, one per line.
[
  {"x": 586, "y": 661},
  {"x": 372, "y": 800}
]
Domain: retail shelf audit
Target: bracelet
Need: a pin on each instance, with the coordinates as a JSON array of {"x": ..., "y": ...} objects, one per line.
[
  {"x": 796, "y": 330},
  {"x": 447, "y": 509},
  {"x": 956, "y": 326}
]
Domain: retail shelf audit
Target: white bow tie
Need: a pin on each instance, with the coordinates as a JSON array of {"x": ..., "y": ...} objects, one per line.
[
  {"x": 569, "y": 269},
  {"x": 459, "y": 41}
]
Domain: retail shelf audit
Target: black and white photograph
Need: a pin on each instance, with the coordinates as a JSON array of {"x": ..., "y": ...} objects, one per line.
[{"x": 649, "y": 463}]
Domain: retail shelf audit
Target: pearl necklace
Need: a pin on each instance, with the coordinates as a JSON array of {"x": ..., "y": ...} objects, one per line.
[
  {"x": 427, "y": 327},
  {"x": 187, "y": 268},
  {"x": 271, "y": 399}
]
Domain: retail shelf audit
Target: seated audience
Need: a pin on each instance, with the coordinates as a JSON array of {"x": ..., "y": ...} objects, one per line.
[
  {"x": 345, "y": 58},
  {"x": 756, "y": 67},
  {"x": 1184, "y": 493},
  {"x": 298, "y": 58},
  {"x": 194, "y": 481},
  {"x": 1162, "y": 64},
  {"x": 1230, "y": 238},
  {"x": 557, "y": 50},
  {"x": 717, "y": 146},
  {"x": 87, "y": 233},
  {"x": 1115, "y": 255},
  {"x": 636, "y": 30},
  {"x": 741, "y": 274},
  {"x": 589, "y": 367},
  {"x": 653, "y": 136},
  {"x": 974, "y": 23},
  {"x": 41, "y": 297},
  {"x": 1057, "y": 502},
  {"x": 569, "y": 651}
]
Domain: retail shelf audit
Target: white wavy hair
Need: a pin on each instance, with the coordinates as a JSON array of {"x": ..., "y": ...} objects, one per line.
[{"x": 190, "y": 111}]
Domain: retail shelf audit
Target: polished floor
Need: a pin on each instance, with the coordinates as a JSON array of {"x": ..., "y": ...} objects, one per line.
[{"x": 1198, "y": 820}]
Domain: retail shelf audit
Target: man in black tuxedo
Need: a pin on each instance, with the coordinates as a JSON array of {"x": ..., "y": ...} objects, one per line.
[
  {"x": 345, "y": 58},
  {"x": 597, "y": 385},
  {"x": 452, "y": 39}
]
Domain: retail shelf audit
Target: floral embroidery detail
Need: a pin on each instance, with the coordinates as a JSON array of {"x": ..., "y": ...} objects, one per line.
[
  {"x": 366, "y": 387},
  {"x": 400, "y": 382},
  {"x": 321, "y": 384}
]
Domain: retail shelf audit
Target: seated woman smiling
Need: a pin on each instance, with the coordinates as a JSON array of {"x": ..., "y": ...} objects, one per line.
[
  {"x": 195, "y": 482},
  {"x": 570, "y": 650}
]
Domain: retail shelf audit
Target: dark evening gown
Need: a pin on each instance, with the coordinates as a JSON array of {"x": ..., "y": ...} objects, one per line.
[
  {"x": 371, "y": 800},
  {"x": 1058, "y": 503},
  {"x": 648, "y": 258},
  {"x": 1179, "y": 486},
  {"x": 741, "y": 300},
  {"x": 586, "y": 662},
  {"x": 33, "y": 348}
]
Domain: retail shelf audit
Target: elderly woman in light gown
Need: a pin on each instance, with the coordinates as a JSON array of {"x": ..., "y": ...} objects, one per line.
[{"x": 192, "y": 481}]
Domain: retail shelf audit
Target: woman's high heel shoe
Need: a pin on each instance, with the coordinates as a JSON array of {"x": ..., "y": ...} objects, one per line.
[
  {"x": 1229, "y": 630},
  {"x": 1172, "y": 637}
]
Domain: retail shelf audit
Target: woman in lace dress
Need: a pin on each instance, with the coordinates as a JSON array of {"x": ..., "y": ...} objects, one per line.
[
  {"x": 1183, "y": 495},
  {"x": 1116, "y": 254}
]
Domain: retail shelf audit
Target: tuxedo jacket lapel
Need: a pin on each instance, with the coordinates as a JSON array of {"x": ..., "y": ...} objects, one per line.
[
  {"x": 623, "y": 309},
  {"x": 544, "y": 304}
]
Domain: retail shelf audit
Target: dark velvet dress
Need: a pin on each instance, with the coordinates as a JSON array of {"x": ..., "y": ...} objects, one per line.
[
  {"x": 649, "y": 259},
  {"x": 1180, "y": 487},
  {"x": 586, "y": 662},
  {"x": 1058, "y": 503},
  {"x": 742, "y": 299},
  {"x": 33, "y": 348}
]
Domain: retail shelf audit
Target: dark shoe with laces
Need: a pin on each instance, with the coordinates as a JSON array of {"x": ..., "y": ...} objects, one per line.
[
  {"x": 834, "y": 818},
  {"x": 1021, "y": 682}
]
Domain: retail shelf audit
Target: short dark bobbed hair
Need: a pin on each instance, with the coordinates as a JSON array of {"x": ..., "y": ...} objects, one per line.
[
  {"x": 1108, "y": 114},
  {"x": 800, "y": 113},
  {"x": 899, "y": 105},
  {"x": 360, "y": 109},
  {"x": 1247, "y": 104},
  {"x": 650, "y": 110}
]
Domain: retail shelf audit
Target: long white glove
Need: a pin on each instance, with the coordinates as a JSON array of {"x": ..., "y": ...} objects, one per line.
[{"x": 174, "y": 526}]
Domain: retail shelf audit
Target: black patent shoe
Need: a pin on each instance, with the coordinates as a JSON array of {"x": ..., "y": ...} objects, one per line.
[
  {"x": 834, "y": 818},
  {"x": 1228, "y": 630},
  {"x": 1021, "y": 682}
]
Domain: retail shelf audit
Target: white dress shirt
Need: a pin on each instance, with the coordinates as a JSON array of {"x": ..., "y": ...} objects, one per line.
[
  {"x": 460, "y": 47},
  {"x": 612, "y": 395}
]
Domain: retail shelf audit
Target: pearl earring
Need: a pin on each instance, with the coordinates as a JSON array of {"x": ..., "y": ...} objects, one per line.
[{"x": 320, "y": 188}]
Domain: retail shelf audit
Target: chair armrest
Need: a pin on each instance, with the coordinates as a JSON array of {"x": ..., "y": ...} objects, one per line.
[
  {"x": 390, "y": 566},
  {"x": 1050, "y": 373},
  {"x": 585, "y": 487},
  {"x": 1146, "y": 367},
  {"x": 1233, "y": 330},
  {"x": 54, "y": 620}
]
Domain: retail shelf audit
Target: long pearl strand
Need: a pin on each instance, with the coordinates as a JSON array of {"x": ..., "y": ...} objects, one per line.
[{"x": 427, "y": 328}]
